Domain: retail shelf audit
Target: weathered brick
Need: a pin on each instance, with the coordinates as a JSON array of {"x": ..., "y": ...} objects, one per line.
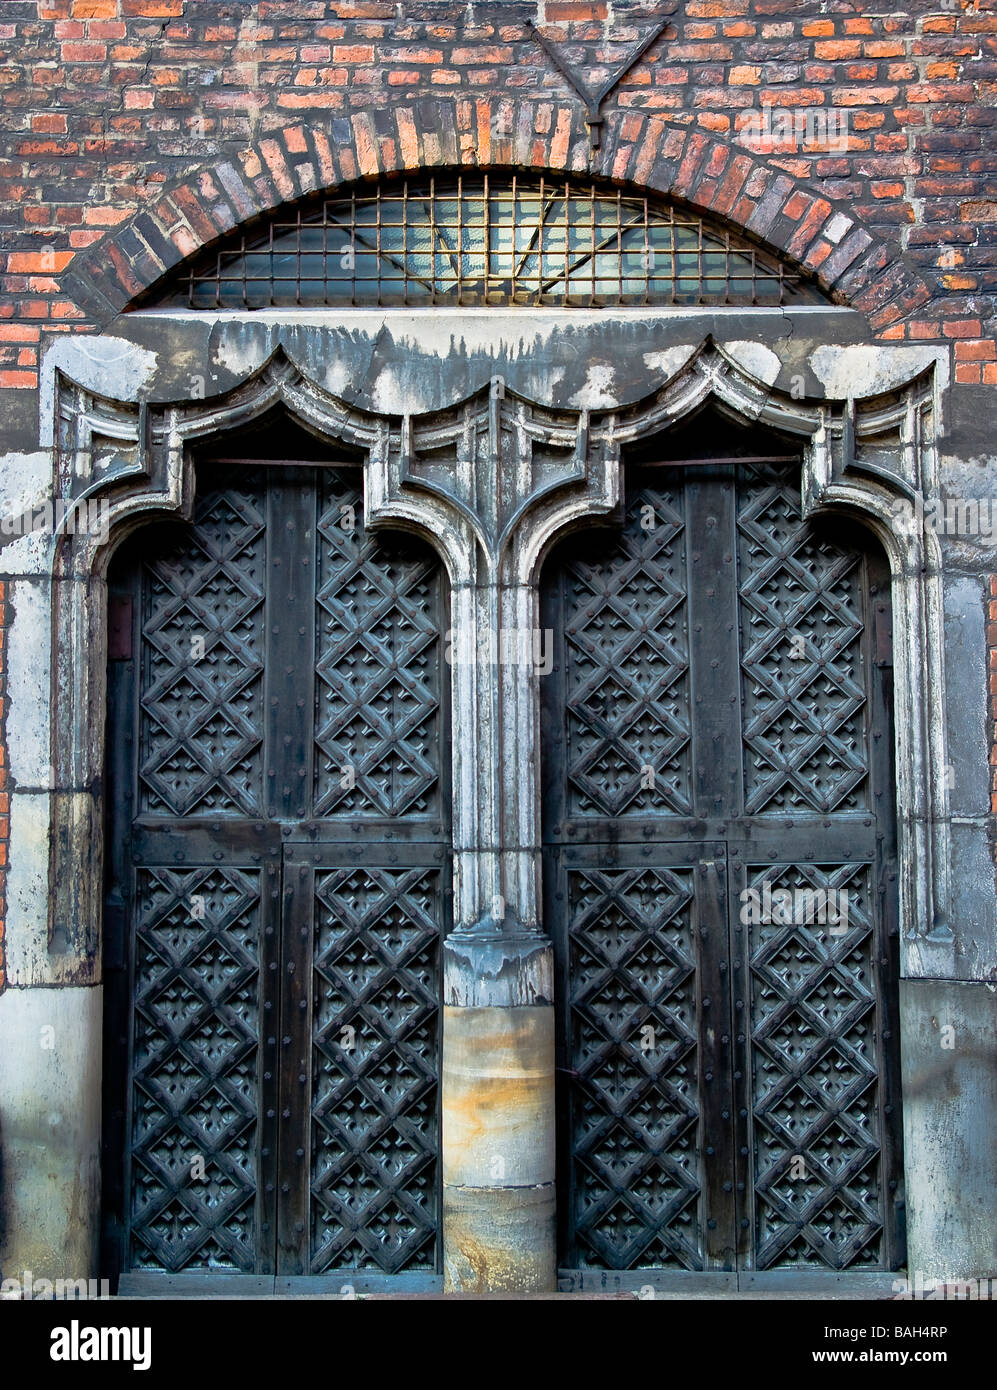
[
  {"x": 353, "y": 53},
  {"x": 838, "y": 49},
  {"x": 917, "y": 163},
  {"x": 962, "y": 328},
  {"x": 31, "y": 262},
  {"x": 985, "y": 351}
]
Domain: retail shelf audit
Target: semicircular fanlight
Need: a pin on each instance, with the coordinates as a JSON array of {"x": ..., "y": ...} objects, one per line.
[{"x": 481, "y": 240}]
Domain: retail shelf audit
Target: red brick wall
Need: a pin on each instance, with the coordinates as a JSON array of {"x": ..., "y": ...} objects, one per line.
[{"x": 107, "y": 103}]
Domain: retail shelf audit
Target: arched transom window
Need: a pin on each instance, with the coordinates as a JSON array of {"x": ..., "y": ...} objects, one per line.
[{"x": 484, "y": 240}]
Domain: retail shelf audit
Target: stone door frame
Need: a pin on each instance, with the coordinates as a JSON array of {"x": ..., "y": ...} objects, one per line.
[{"x": 522, "y": 475}]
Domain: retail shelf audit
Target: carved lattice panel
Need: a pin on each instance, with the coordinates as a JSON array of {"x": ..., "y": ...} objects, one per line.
[
  {"x": 378, "y": 660},
  {"x": 804, "y": 693},
  {"x": 816, "y": 1058},
  {"x": 772, "y": 650},
  {"x": 197, "y": 1019},
  {"x": 632, "y": 1056},
  {"x": 263, "y": 649},
  {"x": 626, "y": 665},
  {"x": 202, "y": 657},
  {"x": 375, "y": 1041}
]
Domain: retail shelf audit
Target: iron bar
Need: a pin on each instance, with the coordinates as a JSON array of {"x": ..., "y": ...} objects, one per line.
[{"x": 406, "y": 229}]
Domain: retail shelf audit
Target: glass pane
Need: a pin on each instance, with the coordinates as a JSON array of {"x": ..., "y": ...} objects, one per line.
[
  {"x": 485, "y": 241},
  {"x": 312, "y": 238}
]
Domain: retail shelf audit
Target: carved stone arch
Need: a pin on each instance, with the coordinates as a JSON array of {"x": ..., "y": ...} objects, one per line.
[
  {"x": 714, "y": 178},
  {"x": 887, "y": 494},
  {"x": 127, "y": 463},
  {"x": 133, "y": 461},
  {"x": 873, "y": 458},
  {"x": 493, "y": 501}
]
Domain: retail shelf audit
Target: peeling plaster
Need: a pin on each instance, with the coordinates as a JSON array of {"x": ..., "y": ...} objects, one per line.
[
  {"x": 432, "y": 357},
  {"x": 28, "y": 690},
  {"x": 27, "y": 485},
  {"x": 757, "y": 359},
  {"x": 28, "y": 958},
  {"x": 106, "y": 365},
  {"x": 389, "y": 392},
  {"x": 51, "y": 1131},
  {"x": 28, "y": 554},
  {"x": 338, "y": 377},
  {"x": 857, "y": 369},
  {"x": 27, "y": 479},
  {"x": 669, "y": 361},
  {"x": 241, "y": 354},
  {"x": 598, "y": 389}
]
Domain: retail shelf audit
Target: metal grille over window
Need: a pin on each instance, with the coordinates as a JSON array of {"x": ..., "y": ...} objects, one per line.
[{"x": 483, "y": 240}]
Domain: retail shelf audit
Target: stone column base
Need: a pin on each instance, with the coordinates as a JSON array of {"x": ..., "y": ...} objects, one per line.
[{"x": 498, "y": 1118}]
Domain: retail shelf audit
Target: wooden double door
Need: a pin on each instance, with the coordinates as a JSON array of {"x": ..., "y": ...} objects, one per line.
[
  {"x": 277, "y": 884},
  {"x": 720, "y": 883}
]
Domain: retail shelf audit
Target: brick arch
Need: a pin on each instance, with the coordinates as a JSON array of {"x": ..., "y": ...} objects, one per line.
[{"x": 851, "y": 264}]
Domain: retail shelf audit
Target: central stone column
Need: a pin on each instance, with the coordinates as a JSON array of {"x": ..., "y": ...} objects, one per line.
[
  {"x": 498, "y": 1114},
  {"x": 492, "y": 481},
  {"x": 498, "y": 1029}
]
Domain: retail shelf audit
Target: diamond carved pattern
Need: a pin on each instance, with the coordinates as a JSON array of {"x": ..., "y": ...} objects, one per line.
[
  {"x": 196, "y": 1027},
  {"x": 378, "y": 657},
  {"x": 627, "y": 667},
  {"x": 203, "y": 1087},
  {"x": 374, "y": 1103},
  {"x": 202, "y": 658},
  {"x": 642, "y": 634},
  {"x": 815, "y": 1078},
  {"x": 801, "y": 659},
  {"x": 634, "y": 1096}
]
